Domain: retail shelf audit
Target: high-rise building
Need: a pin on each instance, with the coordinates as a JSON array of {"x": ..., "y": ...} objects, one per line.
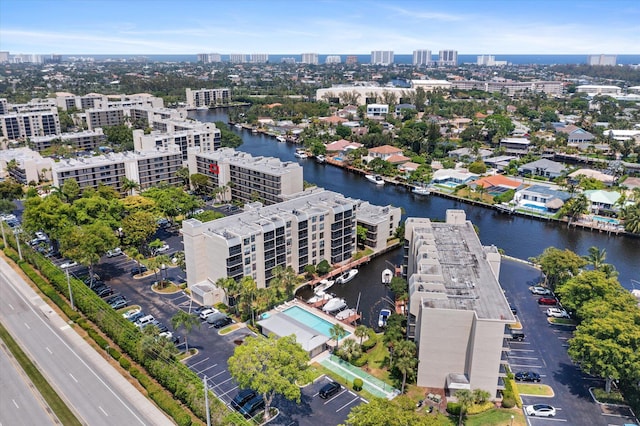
[
  {"x": 489, "y": 61},
  {"x": 207, "y": 58},
  {"x": 422, "y": 57},
  {"x": 237, "y": 58},
  {"x": 333, "y": 59},
  {"x": 207, "y": 97},
  {"x": 610, "y": 60},
  {"x": 288, "y": 60},
  {"x": 4, "y": 57},
  {"x": 310, "y": 58},
  {"x": 351, "y": 60},
  {"x": 382, "y": 57},
  {"x": 259, "y": 58},
  {"x": 448, "y": 58}
]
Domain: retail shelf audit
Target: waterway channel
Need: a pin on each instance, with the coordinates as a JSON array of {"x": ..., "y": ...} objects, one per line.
[{"x": 518, "y": 236}]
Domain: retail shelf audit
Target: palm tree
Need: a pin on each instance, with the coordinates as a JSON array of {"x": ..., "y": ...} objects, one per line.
[
  {"x": 631, "y": 216},
  {"x": 286, "y": 278},
  {"x": 465, "y": 399},
  {"x": 188, "y": 321},
  {"x": 361, "y": 331},
  {"x": 129, "y": 185},
  {"x": 575, "y": 207},
  {"x": 405, "y": 365},
  {"x": 405, "y": 358},
  {"x": 596, "y": 258},
  {"x": 337, "y": 332}
]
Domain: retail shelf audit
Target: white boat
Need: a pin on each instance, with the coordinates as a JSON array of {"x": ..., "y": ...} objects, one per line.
[
  {"x": 343, "y": 315},
  {"x": 383, "y": 317},
  {"x": 319, "y": 296},
  {"x": 347, "y": 276},
  {"x": 320, "y": 158},
  {"x": 300, "y": 154},
  {"x": 421, "y": 190},
  {"x": 281, "y": 139},
  {"x": 323, "y": 286},
  {"x": 377, "y": 179},
  {"x": 387, "y": 275},
  {"x": 335, "y": 304},
  {"x": 238, "y": 126}
]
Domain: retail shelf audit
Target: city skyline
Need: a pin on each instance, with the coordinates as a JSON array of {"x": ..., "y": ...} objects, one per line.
[{"x": 323, "y": 26}]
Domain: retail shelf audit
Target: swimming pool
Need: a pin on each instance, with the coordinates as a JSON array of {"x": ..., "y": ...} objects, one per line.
[
  {"x": 535, "y": 207},
  {"x": 309, "y": 319},
  {"x": 606, "y": 220}
]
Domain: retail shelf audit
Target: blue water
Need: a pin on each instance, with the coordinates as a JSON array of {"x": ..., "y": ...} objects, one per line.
[
  {"x": 398, "y": 58},
  {"x": 536, "y": 207},
  {"x": 305, "y": 317},
  {"x": 606, "y": 220}
]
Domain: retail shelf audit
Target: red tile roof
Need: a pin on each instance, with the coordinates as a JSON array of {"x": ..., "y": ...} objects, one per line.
[{"x": 497, "y": 180}]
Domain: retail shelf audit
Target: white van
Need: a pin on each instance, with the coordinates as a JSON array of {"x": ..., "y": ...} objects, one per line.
[{"x": 144, "y": 321}]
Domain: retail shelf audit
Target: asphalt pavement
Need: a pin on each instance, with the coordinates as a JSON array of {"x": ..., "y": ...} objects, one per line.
[{"x": 92, "y": 388}]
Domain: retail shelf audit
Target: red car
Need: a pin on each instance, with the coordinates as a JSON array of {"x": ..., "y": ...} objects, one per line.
[{"x": 547, "y": 301}]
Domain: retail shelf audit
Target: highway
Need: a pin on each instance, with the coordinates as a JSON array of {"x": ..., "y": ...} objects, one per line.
[{"x": 92, "y": 388}]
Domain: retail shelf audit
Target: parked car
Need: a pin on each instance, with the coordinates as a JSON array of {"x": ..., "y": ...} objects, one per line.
[
  {"x": 68, "y": 264},
  {"x": 251, "y": 407},
  {"x": 540, "y": 410},
  {"x": 329, "y": 390},
  {"x": 198, "y": 211},
  {"x": 514, "y": 311},
  {"x": 517, "y": 335},
  {"x": 542, "y": 291},
  {"x": 557, "y": 313},
  {"x": 119, "y": 303},
  {"x": 547, "y": 301},
  {"x": 170, "y": 336},
  {"x": 164, "y": 247},
  {"x": 141, "y": 322},
  {"x": 131, "y": 312},
  {"x": 135, "y": 317},
  {"x": 527, "y": 376},
  {"x": 222, "y": 322},
  {"x": 243, "y": 396},
  {"x": 115, "y": 252},
  {"x": 103, "y": 291},
  {"x": 137, "y": 270},
  {"x": 207, "y": 313}
]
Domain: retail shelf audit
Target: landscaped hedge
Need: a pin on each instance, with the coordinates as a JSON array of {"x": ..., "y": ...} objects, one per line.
[
  {"x": 510, "y": 391},
  {"x": 453, "y": 408}
]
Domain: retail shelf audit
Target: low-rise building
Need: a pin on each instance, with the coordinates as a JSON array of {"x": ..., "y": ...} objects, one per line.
[
  {"x": 86, "y": 140},
  {"x": 540, "y": 196},
  {"x": 515, "y": 146},
  {"x": 384, "y": 152},
  {"x": 458, "y": 313},
  {"x": 377, "y": 110},
  {"x": 601, "y": 200},
  {"x": 25, "y": 165},
  {"x": 543, "y": 167}
]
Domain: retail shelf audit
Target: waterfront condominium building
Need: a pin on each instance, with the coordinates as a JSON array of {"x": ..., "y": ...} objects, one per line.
[
  {"x": 247, "y": 178},
  {"x": 86, "y": 140},
  {"x": 382, "y": 57},
  {"x": 296, "y": 233},
  {"x": 184, "y": 134},
  {"x": 24, "y": 125},
  {"x": 448, "y": 58},
  {"x": 422, "y": 57},
  {"x": 511, "y": 87},
  {"x": 455, "y": 299},
  {"x": 237, "y": 58},
  {"x": 208, "y": 58},
  {"x": 381, "y": 223},
  {"x": 148, "y": 169},
  {"x": 333, "y": 59},
  {"x": 68, "y": 101},
  {"x": 105, "y": 117},
  {"x": 309, "y": 58},
  {"x": 259, "y": 58},
  {"x": 207, "y": 97},
  {"x": 600, "y": 60}
]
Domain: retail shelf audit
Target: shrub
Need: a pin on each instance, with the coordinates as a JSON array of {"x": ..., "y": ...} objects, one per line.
[
  {"x": 479, "y": 408},
  {"x": 357, "y": 384},
  {"x": 114, "y": 354},
  {"x": 125, "y": 363},
  {"x": 508, "y": 402},
  {"x": 360, "y": 361},
  {"x": 453, "y": 408}
]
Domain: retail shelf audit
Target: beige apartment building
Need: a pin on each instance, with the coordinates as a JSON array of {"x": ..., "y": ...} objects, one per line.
[
  {"x": 28, "y": 124},
  {"x": 458, "y": 312},
  {"x": 86, "y": 140},
  {"x": 204, "y": 98}
]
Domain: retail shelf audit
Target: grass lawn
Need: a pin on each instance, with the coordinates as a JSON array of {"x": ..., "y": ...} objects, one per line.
[
  {"x": 378, "y": 358},
  {"x": 535, "y": 389},
  {"x": 497, "y": 417},
  {"x": 562, "y": 321},
  {"x": 613, "y": 397},
  {"x": 320, "y": 370},
  {"x": 167, "y": 289},
  {"x": 228, "y": 329}
]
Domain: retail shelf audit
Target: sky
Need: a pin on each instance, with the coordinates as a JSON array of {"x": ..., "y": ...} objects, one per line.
[{"x": 319, "y": 26}]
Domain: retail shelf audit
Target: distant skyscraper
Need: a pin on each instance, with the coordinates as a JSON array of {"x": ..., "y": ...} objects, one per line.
[
  {"x": 382, "y": 57},
  {"x": 259, "y": 58},
  {"x": 237, "y": 58},
  {"x": 422, "y": 57},
  {"x": 602, "y": 60},
  {"x": 489, "y": 61},
  {"x": 288, "y": 60},
  {"x": 352, "y": 59},
  {"x": 310, "y": 58},
  {"x": 4, "y": 56},
  {"x": 448, "y": 58},
  {"x": 207, "y": 58},
  {"x": 333, "y": 59}
]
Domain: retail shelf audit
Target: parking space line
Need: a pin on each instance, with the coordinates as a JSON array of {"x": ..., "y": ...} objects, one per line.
[
  {"x": 523, "y": 357},
  {"x": 230, "y": 390},
  {"x": 194, "y": 364},
  {"x": 216, "y": 375},
  {"x": 348, "y": 403},
  {"x": 202, "y": 371},
  {"x": 523, "y": 350},
  {"x": 337, "y": 395},
  {"x": 525, "y": 366},
  {"x": 222, "y": 383}
]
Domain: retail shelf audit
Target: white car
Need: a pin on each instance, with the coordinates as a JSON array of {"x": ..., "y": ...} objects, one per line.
[
  {"x": 207, "y": 313},
  {"x": 115, "y": 252},
  {"x": 164, "y": 247},
  {"x": 68, "y": 264},
  {"x": 557, "y": 313},
  {"x": 540, "y": 410},
  {"x": 198, "y": 211},
  {"x": 130, "y": 313},
  {"x": 543, "y": 291}
]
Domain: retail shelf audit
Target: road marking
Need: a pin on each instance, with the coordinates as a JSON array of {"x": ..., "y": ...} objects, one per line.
[
  {"x": 230, "y": 390},
  {"x": 551, "y": 419},
  {"x": 222, "y": 383},
  {"x": 514, "y": 342},
  {"x": 216, "y": 375},
  {"x": 523, "y": 350},
  {"x": 104, "y": 412},
  {"x": 523, "y": 357},
  {"x": 27, "y": 325},
  {"x": 196, "y": 363},
  {"x": 15, "y": 403},
  {"x": 48, "y": 350},
  {"x": 74, "y": 379},
  {"x": 209, "y": 367},
  {"x": 348, "y": 403},
  {"x": 612, "y": 415},
  {"x": 525, "y": 365},
  {"x": 337, "y": 395}
]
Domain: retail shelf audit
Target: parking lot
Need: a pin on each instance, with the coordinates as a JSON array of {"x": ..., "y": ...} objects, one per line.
[{"x": 544, "y": 351}]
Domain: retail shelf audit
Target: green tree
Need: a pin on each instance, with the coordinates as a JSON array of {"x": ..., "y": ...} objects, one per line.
[
  {"x": 343, "y": 131},
  {"x": 400, "y": 288},
  {"x": 86, "y": 244},
  {"x": 129, "y": 185},
  {"x": 231, "y": 290},
  {"x": 247, "y": 297},
  {"x": 183, "y": 173},
  {"x": 199, "y": 183},
  {"x": 465, "y": 399},
  {"x": 323, "y": 267},
  {"x": 596, "y": 257},
  {"x": 270, "y": 365},
  {"x": 361, "y": 233},
  {"x": 137, "y": 228},
  {"x": 70, "y": 189},
  {"x": 400, "y": 411},
  {"x": 575, "y": 207},
  {"x": 10, "y": 189},
  {"x": 631, "y": 216},
  {"x": 405, "y": 360},
  {"x": 585, "y": 287},
  {"x": 478, "y": 167},
  {"x": 285, "y": 278},
  {"x": 559, "y": 265},
  {"x": 361, "y": 332},
  {"x": 337, "y": 332},
  {"x": 498, "y": 126},
  {"x": 186, "y": 321}
]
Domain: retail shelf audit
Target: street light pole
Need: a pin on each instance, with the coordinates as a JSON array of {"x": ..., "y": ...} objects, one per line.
[
  {"x": 70, "y": 292},
  {"x": 512, "y": 416},
  {"x": 18, "y": 243},
  {"x": 4, "y": 239},
  {"x": 206, "y": 400}
]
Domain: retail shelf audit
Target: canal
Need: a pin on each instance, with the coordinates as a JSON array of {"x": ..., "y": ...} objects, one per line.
[{"x": 518, "y": 236}]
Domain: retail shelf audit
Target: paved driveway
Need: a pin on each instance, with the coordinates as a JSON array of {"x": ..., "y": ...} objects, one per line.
[{"x": 544, "y": 351}]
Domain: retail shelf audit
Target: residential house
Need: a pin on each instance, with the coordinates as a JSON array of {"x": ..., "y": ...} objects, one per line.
[
  {"x": 575, "y": 135},
  {"x": 594, "y": 174},
  {"x": 453, "y": 177},
  {"x": 497, "y": 183},
  {"x": 384, "y": 152},
  {"x": 515, "y": 146},
  {"x": 545, "y": 168},
  {"x": 342, "y": 146},
  {"x": 602, "y": 200},
  {"x": 377, "y": 110},
  {"x": 462, "y": 153},
  {"x": 500, "y": 162},
  {"x": 541, "y": 196},
  {"x": 400, "y": 107}
]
